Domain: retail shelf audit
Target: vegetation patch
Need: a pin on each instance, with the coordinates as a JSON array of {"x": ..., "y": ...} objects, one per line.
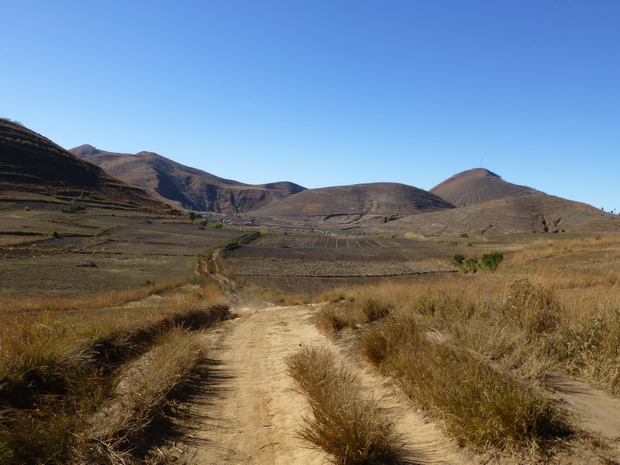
[
  {"x": 57, "y": 370},
  {"x": 480, "y": 404},
  {"x": 344, "y": 423}
]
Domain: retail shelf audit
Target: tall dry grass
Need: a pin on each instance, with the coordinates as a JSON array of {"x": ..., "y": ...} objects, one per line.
[
  {"x": 56, "y": 368},
  {"x": 470, "y": 349},
  {"x": 480, "y": 404},
  {"x": 450, "y": 339},
  {"x": 142, "y": 392},
  {"x": 345, "y": 423}
]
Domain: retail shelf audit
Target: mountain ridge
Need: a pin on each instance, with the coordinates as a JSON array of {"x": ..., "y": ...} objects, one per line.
[{"x": 184, "y": 186}]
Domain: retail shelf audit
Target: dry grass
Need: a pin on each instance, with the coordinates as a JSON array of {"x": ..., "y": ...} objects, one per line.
[
  {"x": 344, "y": 423},
  {"x": 481, "y": 405},
  {"x": 109, "y": 298},
  {"x": 14, "y": 241},
  {"x": 475, "y": 349},
  {"x": 56, "y": 368},
  {"x": 355, "y": 309},
  {"x": 142, "y": 391}
]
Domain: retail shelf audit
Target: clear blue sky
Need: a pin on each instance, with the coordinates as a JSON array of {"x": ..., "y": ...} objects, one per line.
[{"x": 326, "y": 93}]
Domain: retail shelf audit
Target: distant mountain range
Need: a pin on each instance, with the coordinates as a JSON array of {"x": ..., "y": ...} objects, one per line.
[
  {"x": 475, "y": 201},
  {"x": 186, "y": 187}
]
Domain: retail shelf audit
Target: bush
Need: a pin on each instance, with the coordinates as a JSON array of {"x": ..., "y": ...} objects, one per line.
[
  {"x": 458, "y": 259},
  {"x": 73, "y": 206},
  {"x": 491, "y": 261},
  {"x": 471, "y": 264}
]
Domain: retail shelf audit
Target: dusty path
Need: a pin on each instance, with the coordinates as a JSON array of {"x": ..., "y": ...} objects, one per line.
[{"x": 250, "y": 411}]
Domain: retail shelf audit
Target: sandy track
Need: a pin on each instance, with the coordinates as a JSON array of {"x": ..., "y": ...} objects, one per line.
[{"x": 251, "y": 410}]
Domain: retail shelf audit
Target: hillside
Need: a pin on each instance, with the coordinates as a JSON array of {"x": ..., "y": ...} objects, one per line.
[
  {"x": 378, "y": 202},
  {"x": 478, "y": 186},
  {"x": 539, "y": 213},
  {"x": 183, "y": 186},
  {"x": 34, "y": 164}
]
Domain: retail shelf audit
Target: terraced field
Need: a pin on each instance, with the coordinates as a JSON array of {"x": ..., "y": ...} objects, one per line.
[{"x": 310, "y": 263}]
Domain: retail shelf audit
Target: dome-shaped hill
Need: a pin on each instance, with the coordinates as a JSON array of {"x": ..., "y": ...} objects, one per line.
[
  {"x": 351, "y": 203},
  {"x": 477, "y": 186}
]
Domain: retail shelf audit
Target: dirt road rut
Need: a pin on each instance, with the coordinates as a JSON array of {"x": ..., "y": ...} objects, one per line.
[{"x": 251, "y": 410}]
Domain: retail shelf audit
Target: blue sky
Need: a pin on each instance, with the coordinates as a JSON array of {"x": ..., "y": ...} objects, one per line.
[{"x": 327, "y": 93}]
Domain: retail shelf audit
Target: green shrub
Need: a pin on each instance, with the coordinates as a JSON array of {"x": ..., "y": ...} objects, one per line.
[
  {"x": 471, "y": 264},
  {"x": 73, "y": 206},
  {"x": 491, "y": 261}
]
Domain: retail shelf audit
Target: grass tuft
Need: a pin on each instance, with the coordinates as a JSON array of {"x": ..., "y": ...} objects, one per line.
[
  {"x": 344, "y": 423},
  {"x": 481, "y": 405}
]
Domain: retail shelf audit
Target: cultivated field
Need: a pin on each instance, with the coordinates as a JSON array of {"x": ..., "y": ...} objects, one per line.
[
  {"x": 46, "y": 252},
  {"x": 312, "y": 263}
]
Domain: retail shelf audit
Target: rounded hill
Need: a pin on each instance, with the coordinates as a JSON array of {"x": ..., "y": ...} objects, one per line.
[
  {"x": 354, "y": 202},
  {"x": 478, "y": 186}
]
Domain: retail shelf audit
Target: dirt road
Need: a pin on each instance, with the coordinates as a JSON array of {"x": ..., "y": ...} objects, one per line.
[{"x": 251, "y": 411}]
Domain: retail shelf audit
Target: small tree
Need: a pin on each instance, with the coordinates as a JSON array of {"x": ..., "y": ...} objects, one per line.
[
  {"x": 458, "y": 259},
  {"x": 491, "y": 261},
  {"x": 192, "y": 216}
]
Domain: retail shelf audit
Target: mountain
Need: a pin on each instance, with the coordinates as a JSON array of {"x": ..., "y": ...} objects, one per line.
[
  {"x": 32, "y": 163},
  {"x": 478, "y": 186},
  {"x": 183, "y": 186},
  {"x": 381, "y": 202}
]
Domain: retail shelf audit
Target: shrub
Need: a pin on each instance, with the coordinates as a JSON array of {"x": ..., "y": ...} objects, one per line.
[
  {"x": 471, "y": 264},
  {"x": 458, "y": 259},
  {"x": 73, "y": 206},
  {"x": 491, "y": 261}
]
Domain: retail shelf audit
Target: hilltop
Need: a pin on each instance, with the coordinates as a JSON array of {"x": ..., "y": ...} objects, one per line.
[
  {"x": 33, "y": 164},
  {"x": 380, "y": 202},
  {"x": 183, "y": 186},
  {"x": 477, "y": 186}
]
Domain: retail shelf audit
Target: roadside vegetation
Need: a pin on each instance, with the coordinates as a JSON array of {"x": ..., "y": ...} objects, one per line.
[
  {"x": 78, "y": 389},
  {"x": 345, "y": 423},
  {"x": 475, "y": 350}
]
